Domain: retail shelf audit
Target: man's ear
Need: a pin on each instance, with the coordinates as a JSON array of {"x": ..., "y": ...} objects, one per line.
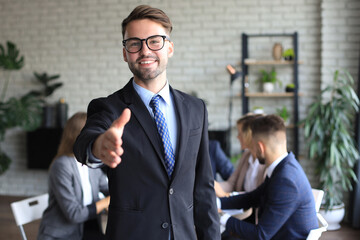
[
  {"x": 124, "y": 55},
  {"x": 170, "y": 49},
  {"x": 262, "y": 147}
]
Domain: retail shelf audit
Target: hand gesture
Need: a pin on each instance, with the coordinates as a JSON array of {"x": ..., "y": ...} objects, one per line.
[{"x": 107, "y": 146}]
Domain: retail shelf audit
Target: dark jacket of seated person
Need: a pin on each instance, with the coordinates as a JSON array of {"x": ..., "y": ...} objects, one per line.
[
  {"x": 287, "y": 206},
  {"x": 220, "y": 163}
]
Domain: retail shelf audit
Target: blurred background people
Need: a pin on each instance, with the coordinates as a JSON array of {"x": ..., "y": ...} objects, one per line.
[
  {"x": 285, "y": 199},
  {"x": 249, "y": 173},
  {"x": 220, "y": 163},
  {"x": 74, "y": 201}
]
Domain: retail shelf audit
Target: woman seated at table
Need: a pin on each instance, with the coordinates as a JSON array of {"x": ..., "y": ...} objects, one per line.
[
  {"x": 74, "y": 202},
  {"x": 249, "y": 173}
]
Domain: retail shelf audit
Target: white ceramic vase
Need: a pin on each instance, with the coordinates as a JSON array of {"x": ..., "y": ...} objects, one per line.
[
  {"x": 268, "y": 87},
  {"x": 334, "y": 216}
]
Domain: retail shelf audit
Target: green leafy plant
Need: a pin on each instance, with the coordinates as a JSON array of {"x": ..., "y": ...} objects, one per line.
[
  {"x": 48, "y": 88},
  {"x": 289, "y": 54},
  {"x": 330, "y": 139},
  {"x": 283, "y": 113},
  {"x": 270, "y": 77},
  {"x": 24, "y": 111}
]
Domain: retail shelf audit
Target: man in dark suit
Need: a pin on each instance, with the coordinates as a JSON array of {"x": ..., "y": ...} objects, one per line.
[
  {"x": 287, "y": 207},
  {"x": 160, "y": 181}
]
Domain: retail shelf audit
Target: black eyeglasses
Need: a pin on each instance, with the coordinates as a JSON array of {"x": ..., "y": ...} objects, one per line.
[{"x": 154, "y": 43}]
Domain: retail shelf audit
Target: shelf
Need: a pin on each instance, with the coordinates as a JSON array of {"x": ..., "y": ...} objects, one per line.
[
  {"x": 279, "y": 94},
  {"x": 249, "y": 61}
]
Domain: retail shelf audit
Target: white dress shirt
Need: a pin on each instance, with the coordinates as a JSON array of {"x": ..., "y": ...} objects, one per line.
[
  {"x": 85, "y": 183},
  {"x": 250, "y": 181}
]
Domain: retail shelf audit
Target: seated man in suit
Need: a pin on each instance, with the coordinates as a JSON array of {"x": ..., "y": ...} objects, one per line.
[
  {"x": 287, "y": 207},
  {"x": 220, "y": 163}
]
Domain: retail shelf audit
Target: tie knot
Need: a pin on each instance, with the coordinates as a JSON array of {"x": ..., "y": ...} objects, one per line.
[{"x": 155, "y": 101}]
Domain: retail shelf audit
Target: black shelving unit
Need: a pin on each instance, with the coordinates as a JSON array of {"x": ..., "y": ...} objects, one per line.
[{"x": 294, "y": 63}]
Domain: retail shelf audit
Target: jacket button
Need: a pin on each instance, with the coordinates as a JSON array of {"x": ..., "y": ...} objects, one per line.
[
  {"x": 164, "y": 225},
  {"x": 171, "y": 191}
]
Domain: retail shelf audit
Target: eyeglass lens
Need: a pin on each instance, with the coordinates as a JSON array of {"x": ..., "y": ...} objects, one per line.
[{"x": 154, "y": 43}]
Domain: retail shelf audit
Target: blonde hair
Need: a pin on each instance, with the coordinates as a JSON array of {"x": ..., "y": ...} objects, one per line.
[
  {"x": 72, "y": 129},
  {"x": 244, "y": 124}
]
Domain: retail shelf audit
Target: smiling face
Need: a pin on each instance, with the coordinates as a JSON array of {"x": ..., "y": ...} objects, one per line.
[{"x": 147, "y": 65}]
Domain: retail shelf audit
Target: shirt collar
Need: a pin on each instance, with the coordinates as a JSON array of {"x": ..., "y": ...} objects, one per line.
[
  {"x": 147, "y": 95},
  {"x": 272, "y": 166}
]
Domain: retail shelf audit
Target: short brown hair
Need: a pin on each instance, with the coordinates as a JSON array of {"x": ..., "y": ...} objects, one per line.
[
  {"x": 147, "y": 12},
  {"x": 267, "y": 126}
]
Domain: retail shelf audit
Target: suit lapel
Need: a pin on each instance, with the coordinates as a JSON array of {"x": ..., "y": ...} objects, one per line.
[
  {"x": 142, "y": 115},
  {"x": 182, "y": 111}
]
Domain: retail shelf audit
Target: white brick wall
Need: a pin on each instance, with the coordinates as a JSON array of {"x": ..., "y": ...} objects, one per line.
[{"x": 81, "y": 40}]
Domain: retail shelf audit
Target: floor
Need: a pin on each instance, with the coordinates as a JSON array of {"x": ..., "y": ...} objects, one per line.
[{"x": 9, "y": 230}]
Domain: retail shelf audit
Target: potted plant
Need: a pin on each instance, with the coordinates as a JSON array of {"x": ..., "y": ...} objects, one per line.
[
  {"x": 23, "y": 111},
  {"x": 288, "y": 54},
  {"x": 290, "y": 87},
  {"x": 258, "y": 110},
  {"x": 331, "y": 142},
  {"x": 49, "y": 111},
  {"x": 284, "y": 114},
  {"x": 269, "y": 79}
]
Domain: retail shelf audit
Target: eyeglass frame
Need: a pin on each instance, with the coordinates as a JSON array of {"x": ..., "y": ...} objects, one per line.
[{"x": 164, "y": 37}]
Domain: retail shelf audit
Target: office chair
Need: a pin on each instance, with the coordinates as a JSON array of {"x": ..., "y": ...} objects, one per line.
[
  {"x": 29, "y": 210},
  {"x": 315, "y": 234}
]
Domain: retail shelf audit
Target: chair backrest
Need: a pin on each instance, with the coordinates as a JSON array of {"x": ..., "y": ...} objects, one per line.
[
  {"x": 318, "y": 196},
  {"x": 316, "y": 233},
  {"x": 29, "y": 210}
]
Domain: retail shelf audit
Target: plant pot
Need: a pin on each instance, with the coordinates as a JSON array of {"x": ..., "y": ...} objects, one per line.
[
  {"x": 268, "y": 87},
  {"x": 289, "y": 89},
  {"x": 334, "y": 216}
]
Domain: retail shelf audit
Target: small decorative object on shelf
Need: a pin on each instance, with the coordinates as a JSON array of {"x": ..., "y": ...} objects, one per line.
[
  {"x": 290, "y": 87},
  {"x": 269, "y": 79},
  {"x": 277, "y": 51},
  {"x": 258, "y": 110},
  {"x": 289, "y": 54},
  {"x": 61, "y": 112},
  {"x": 284, "y": 114}
]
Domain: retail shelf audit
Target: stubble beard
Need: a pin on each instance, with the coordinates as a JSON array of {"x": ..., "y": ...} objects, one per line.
[{"x": 146, "y": 75}]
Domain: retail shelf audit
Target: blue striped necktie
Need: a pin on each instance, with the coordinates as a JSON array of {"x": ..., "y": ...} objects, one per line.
[{"x": 164, "y": 134}]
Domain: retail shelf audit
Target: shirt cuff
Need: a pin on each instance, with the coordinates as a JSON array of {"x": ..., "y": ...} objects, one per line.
[
  {"x": 91, "y": 160},
  {"x": 224, "y": 218},
  {"x": 218, "y": 203}
]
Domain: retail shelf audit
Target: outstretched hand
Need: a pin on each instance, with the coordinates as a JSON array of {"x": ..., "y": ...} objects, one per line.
[{"x": 108, "y": 146}]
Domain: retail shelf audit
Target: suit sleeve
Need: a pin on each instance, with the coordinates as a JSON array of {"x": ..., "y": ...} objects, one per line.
[
  {"x": 205, "y": 210},
  {"x": 278, "y": 207},
  {"x": 61, "y": 182},
  {"x": 99, "y": 118},
  {"x": 220, "y": 161}
]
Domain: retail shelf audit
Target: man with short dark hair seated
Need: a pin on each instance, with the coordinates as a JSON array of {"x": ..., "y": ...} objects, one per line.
[{"x": 287, "y": 207}]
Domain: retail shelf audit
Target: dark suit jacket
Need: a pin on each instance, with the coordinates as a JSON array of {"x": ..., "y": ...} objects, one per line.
[
  {"x": 287, "y": 203},
  {"x": 220, "y": 163},
  {"x": 144, "y": 202}
]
